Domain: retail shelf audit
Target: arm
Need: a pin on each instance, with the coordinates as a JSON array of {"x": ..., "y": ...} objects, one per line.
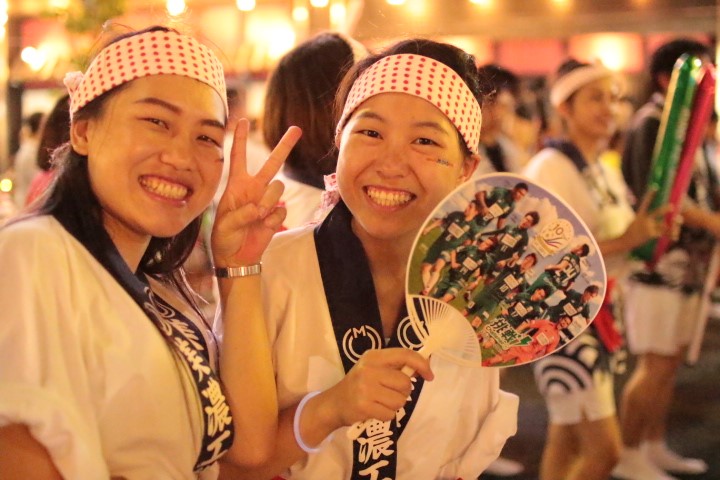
[
  {"x": 646, "y": 226},
  {"x": 374, "y": 388},
  {"x": 246, "y": 220},
  {"x": 24, "y": 458}
]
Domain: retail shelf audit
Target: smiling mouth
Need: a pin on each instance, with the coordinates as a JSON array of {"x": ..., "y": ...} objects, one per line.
[
  {"x": 163, "y": 188},
  {"x": 388, "y": 198}
]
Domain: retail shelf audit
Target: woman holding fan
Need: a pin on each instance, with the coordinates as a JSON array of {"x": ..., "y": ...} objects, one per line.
[{"x": 335, "y": 294}]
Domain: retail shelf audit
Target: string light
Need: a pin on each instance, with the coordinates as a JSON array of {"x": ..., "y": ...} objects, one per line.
[
  {"x": 175, "y": 7},
  {"x": 245, "y": 5},
  {"x": 300, "y": 14},
  {"x": 319, "y": 3},
  {"x": 395, "y": 2},
  {"x": 338, "y": 12}
]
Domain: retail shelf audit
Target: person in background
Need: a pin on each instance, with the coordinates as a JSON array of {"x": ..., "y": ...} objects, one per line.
[
  {"x": 501, "y": 88},
  {"x": 334, "y": 293},
  {"x": 25, "y": 159},
  {"x": 660, "y": 323},
  {"x": 303, "y": 96},
  {"x": 108, "y": 369},
  {"x": 583, "y": 438},
  {"x": 55, "y": 132}
]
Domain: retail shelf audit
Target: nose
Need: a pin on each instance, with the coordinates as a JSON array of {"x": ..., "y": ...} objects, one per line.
[
  {"x": 393, "y": 160},
  {"x": 177, "y": 153}
]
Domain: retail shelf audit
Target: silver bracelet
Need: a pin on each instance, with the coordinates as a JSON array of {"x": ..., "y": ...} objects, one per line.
[{"x": 244, "y": 271}]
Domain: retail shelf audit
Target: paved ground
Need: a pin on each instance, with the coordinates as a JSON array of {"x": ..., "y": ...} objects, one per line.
[{"x": 694, "y": 427}]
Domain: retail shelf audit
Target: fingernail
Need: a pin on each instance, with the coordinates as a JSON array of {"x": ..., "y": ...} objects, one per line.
[{"x": 263, "y": 211}]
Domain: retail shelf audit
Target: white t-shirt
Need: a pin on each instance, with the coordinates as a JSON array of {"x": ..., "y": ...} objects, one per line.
[
  {"x": 553, "y": 170},
  {"x": 85, "y": 369},
  {"x": 461, "y": 420}
]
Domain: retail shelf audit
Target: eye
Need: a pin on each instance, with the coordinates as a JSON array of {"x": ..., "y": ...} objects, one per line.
[
  {"x": 369, "y": 133},
  {"x": 156, "y": 121},
  {"x": 425, "y": 141},
  {"x": 210, "y": 140}
]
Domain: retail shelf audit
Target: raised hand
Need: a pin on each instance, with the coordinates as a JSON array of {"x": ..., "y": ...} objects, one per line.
[
  {"x": 248, "y": 215},
  {"x": 649, "y": 225}
]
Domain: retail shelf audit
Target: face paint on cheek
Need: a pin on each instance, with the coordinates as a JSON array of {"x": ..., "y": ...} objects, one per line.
[{"x": 440, "y": 161}]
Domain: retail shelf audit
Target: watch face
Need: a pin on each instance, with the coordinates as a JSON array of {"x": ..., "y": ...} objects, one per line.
[{"x": 523, "y": 261}]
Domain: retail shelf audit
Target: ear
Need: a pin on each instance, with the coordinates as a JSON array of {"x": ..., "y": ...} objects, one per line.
[
  {"x": 79, "y": 131},
  {"x": 564, "y": 109},
  {"x": 469, "y": 165}
]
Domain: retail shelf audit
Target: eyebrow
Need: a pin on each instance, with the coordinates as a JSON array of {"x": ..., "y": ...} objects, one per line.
[
  {"x": 176, "y": 110},
  {"x": 425, "y": 124}
]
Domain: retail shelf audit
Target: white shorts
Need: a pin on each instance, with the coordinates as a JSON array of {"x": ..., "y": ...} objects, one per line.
[
  {"x": 590, "y": 404},
  {"x": 659, "y": 319}
]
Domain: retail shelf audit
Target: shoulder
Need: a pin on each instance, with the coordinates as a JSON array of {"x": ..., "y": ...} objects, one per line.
[
  {"x": 42, "y": 235},
  {"x": 545, "y": 159},
  {"x": 289, "y": 251}
]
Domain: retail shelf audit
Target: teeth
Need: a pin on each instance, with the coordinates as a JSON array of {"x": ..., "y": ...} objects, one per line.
[
  {"x": 386, "y": 198},
  {"x": 172, "y": 191}
]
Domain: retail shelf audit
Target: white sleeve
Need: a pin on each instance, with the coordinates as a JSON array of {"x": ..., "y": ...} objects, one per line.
[
  {"x": 44, "y": 382},
  {"x": 498, "y": 426}
]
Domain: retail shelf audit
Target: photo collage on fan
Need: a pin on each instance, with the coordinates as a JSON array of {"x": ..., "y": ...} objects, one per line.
[{"x": 515, "y": 261}]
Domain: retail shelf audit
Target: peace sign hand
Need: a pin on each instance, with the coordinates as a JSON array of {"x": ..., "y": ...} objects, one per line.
[{"x": 248, "y": 215}]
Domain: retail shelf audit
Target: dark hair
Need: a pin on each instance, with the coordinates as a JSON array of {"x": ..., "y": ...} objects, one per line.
[
  {"x": 534, "y": 215},
  {"x": 663, "y": 59},
  {"x": 460, "y": 61},
  {"x": 301, "y": 92},
  {"x": 55, "y": 133},
  {"x": 585, "y": 249},
  {"x": 592, "y": 289},
  {"x": 34, "y": 122},
  {"x": 521, "y": 186},
  {"x": 494, "y": 79},
  {"x": 71, "y": 200},
  {"x": 530, "y": 255}
]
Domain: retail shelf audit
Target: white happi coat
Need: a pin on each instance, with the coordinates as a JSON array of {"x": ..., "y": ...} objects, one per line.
[
  {"x": 84, "y": 368},
  {"x": 461, "y": 420}
]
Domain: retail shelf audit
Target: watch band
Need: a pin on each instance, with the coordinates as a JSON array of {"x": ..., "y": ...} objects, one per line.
[{"x": 244, "y": 271}]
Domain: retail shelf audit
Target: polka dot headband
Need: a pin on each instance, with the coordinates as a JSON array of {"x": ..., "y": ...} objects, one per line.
[
  {"x": 572, "y": 81},
  {"x": 149, "y": 53},
  {"x": 425, "y": 78}
]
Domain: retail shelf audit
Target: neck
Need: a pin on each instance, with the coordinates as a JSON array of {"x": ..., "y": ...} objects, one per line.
[
  {"x": 131, "y": 245},
  {"x": 590, "y": 147},
  {"x": 388, "y": 265}
]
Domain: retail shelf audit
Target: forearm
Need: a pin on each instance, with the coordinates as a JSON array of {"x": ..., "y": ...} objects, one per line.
[
  {"x": 696, "y": 217},
  {"x": 314, "y": 428},
  {"x": 246, "y": 371}
]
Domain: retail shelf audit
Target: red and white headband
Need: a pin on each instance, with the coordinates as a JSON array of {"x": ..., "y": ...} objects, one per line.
[
  {"x": 571, "y": 82},
  {"x": 149, "y": 53},
  {"x": 425, "y": 78}
]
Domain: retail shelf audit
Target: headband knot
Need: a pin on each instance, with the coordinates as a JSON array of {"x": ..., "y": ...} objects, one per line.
[
  {"x": 154, "y": 52},
  {"x": 425, "y": 78},
  {"x": 72, "y": 81}
]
